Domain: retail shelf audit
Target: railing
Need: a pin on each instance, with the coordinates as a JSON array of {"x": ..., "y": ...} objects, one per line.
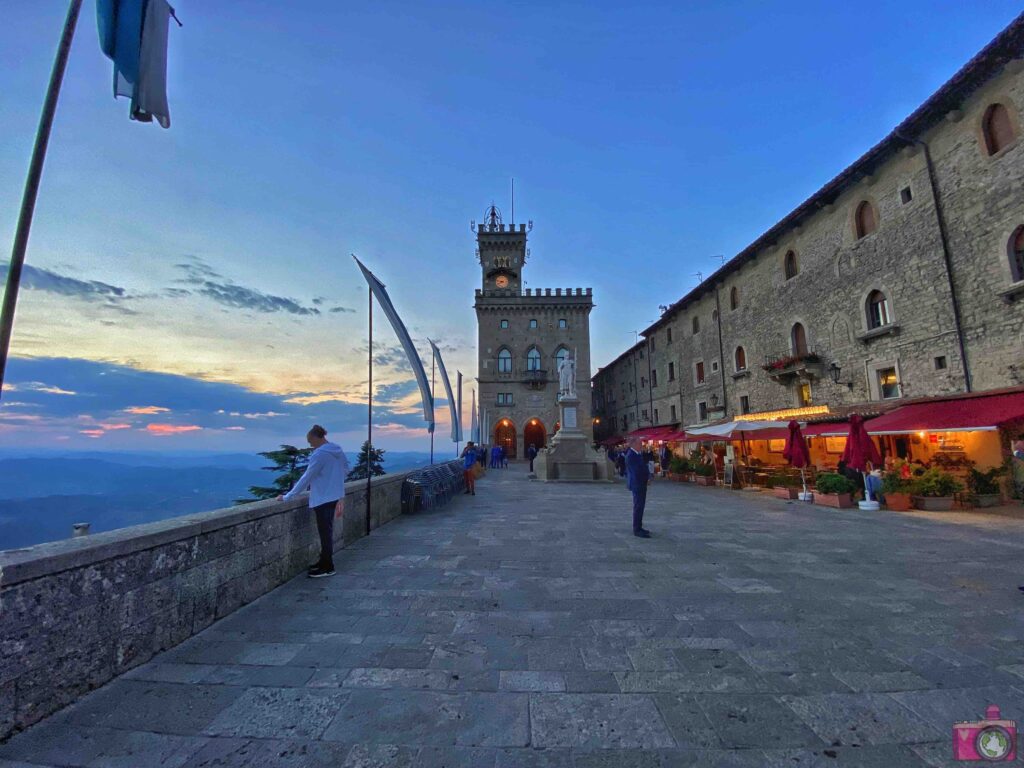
[
  {"x": 780, "y": 365},
  {"x": 535, "y": 377}
]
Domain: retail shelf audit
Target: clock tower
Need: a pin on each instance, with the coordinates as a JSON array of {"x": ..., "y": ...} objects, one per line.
[{"x": 502, "y": 252}]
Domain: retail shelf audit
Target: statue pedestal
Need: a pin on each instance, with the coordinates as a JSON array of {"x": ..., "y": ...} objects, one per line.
[{"x": 569, "y": 457}]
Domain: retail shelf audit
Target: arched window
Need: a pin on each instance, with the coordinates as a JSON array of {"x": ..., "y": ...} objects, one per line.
[
  {"x": 878, "y": 310},
  {"x": 560, "y": 356},
  {"x": 864, "y": 221},
  {"x": 734, "y": 298},
  {"x": 696, "y": 324},
  {"x": 741, "y": 359},
  {"x": 798, "y": 336},
  {"x": 997, "y": 128},
  {"x": 504, "y": 361},
  {"x": 533, "y": 360},
  {"x": 1016, "y": 250},
  {"x": 791, "y": 265}
]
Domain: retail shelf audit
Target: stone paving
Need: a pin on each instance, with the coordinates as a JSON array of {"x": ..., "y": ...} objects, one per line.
[{"x": 527, "y": 627}]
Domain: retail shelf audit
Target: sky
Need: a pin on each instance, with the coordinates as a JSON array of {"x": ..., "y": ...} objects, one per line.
[{"x": 192, "y": 289}]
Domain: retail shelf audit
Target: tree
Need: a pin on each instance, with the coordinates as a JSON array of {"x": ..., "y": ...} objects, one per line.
[
  {"x": 359, "y": 471},
  {"x": 289, "y": 462}
]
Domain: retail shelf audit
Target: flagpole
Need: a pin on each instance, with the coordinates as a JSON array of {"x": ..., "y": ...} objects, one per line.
[
  {"x": 433, "y": 362},
  {"x": 369, "y": 416},
  {"x": 35, "y": 171}
]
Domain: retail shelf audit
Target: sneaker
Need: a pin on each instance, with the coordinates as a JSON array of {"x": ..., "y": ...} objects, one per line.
[{"x": 319, "y": 573}]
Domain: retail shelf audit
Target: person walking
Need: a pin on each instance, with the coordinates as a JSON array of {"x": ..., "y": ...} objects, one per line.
[
  {"x": 531, "y": 454},
  {"x": 495, "y": 453},
  {"x": 469, "y": 468},
  {"x": 324, "y": 478},
  {"x": 638, "y": 475},
  {"x": 503, "y": 455},
  {"x": 663, "y": 459}
]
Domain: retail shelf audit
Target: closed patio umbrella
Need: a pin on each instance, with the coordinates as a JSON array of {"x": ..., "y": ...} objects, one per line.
[
  {"x": 859, "y": 451},
  {"x": 797, "y": 455}
]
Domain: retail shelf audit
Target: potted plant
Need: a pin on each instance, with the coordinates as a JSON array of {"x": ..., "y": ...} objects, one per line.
[
  {"x": 897, "y": 491},
  {"x": 984, "y": 486},
  {"x": 678, "y": 468},
  {"x": 934, "y": 490},
  {"x": 832, "y": 490},
  {"x": 705, "y": 474},
  {"x": 783, "y": 486}
]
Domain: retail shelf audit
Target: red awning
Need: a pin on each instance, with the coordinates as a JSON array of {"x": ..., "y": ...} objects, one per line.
[
  {"x": 829, "y": 429},
  {"x": 965, "y": 414},
  {"x": 654, "y": 433}
]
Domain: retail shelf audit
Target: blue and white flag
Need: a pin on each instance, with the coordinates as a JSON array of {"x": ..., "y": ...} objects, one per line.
[
  {"x": 456, "y": 432},
  {"x": 458, "y": 420},
  {"x": 377, "y": 287}
]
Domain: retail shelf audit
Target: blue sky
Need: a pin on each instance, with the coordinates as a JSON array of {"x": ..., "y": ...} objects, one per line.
[{"x": 208, "y": 264}]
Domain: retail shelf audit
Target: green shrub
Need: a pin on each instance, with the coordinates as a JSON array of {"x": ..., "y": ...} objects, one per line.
[
  {"x": 677, "y": 465},
  {"x": 829, "y": 482},
  {"x": 936, "y": 482},
  {"x": 704, "y": 470},
  {"x": 983, "y": 483},
  {"x": 893, "y": 482},
  {"x": 782, "y": 480}
]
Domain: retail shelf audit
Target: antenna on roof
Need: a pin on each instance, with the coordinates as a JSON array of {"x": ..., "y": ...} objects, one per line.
[
  {"x": 699, "y": 276},
  {"x": 722, "y": 257}
]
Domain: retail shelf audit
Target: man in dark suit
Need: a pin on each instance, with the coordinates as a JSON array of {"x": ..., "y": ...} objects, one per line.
[{"x": 638, "y": 474}]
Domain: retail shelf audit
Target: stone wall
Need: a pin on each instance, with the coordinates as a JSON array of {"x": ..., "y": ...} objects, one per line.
[{"x": 76, "y": 613}]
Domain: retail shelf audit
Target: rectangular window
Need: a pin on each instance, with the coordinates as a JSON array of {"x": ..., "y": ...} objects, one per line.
[
  {"x": 655, "y": 415},
  {"x": 645, "y": 414},
  {"x": 641, "y": 354},
  {"x": 563, "y": 323},
  {"x": 702, "y": 411},
  {"x": 700, "y": 372},
  {"x": 643, "y": 382},
  {"x": 671, "y": 371},
  {"x": 714, "y": 366},
  {"x": 631, "y": 386},
  {"x": 504, "y": 398},
  {"x": 668, "y": 333},
  {"x": 906, "y": 195},
  {"x": 803, "y": 395},
  {"x": 940, "y": 363},
  {"x": 650, "y": 344},
  {"x": 744, "y": 404},
  {"x": 504, "y": 323},
  {"x": 672, "y": 411},
  {"x": 533, "y": 323},
  {"x": 888, "y": 384},
  {"x": 654, "y": 377}
]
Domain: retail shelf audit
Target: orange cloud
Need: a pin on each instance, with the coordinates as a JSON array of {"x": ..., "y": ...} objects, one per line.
[
  {"x": 110, "y": 426},
  {"x": 171, "y": 429},
  {"x": 146, "y": 410},
  {"x": 93, "y": 433}
]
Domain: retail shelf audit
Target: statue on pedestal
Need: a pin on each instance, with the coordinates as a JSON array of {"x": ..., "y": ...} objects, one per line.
[{"x": 567, "y": 376}]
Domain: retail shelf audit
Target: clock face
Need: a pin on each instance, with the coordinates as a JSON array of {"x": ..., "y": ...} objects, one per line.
[{"x": 501, "y": 281}]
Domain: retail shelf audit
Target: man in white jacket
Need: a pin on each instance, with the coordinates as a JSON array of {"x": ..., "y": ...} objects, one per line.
[{"x": 324, "y": 478}]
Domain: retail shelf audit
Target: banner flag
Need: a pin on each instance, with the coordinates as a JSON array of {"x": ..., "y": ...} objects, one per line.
[
  {"x": 458, "y": 408},
  {"x": 456, "y": 437},
  {"x": 377, "y": 287},
  {"x": 474, "y": 427}
]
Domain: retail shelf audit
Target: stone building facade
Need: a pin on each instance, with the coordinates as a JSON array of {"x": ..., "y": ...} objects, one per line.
[
  {"x": 900, "y": 278},
  {"x": 522, "y": 336}
]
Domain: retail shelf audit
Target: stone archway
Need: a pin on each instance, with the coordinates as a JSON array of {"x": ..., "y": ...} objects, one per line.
[
  {"x": 535, "y": 434},
  {"x": 505, "y": 436}
]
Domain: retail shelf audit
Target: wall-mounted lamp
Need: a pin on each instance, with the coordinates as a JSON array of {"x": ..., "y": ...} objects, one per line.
[{"x": 834, "y": 372}]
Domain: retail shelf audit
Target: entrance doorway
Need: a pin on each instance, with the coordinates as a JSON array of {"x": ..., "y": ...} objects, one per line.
[
  {"x": 505, "y": 436},
  {"x": 534, "y": 434}
]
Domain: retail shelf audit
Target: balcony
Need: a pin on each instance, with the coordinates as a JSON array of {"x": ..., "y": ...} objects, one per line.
[
  {"x": 784, "y": 367},
  {"x": 536, "y": 378}
]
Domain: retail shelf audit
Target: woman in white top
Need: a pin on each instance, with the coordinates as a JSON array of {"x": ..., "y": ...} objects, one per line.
[{"x": 324, "y": 478}]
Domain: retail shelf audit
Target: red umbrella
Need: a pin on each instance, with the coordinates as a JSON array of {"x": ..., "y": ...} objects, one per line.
[
  {"x": 796, "y": 452},
  {"x": 860, "y": 448}
]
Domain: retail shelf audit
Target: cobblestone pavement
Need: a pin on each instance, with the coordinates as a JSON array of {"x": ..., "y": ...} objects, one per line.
[{"x": 526, "y": 626}]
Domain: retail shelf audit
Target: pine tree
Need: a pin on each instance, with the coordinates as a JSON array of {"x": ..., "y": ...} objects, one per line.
[
  {"x": 359, "y": 471},
  {"x": 289, "y": 462}
]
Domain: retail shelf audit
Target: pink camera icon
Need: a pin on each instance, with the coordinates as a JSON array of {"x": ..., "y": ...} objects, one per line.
[{"x": 992, "y": 739}]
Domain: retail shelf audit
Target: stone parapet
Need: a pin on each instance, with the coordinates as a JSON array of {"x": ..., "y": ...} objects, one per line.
[{"x": 78, "y": 612}]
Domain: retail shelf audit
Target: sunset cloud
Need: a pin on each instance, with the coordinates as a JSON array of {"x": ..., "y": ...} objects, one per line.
[
  {"x": 171, "y": 429},
  {"x": 93, "y": 433},
  {"x": 146, "y": 410}
]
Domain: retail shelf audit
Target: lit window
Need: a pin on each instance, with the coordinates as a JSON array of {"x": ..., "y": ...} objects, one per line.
[
  {"x": 791, "y": 265},
  {"x": 803, "y": 394},
  {"x": 504, "y": 361},
  {"x": 533, "y": 323},
  {"x": 1016, "y": 252},
  {"x": 533, "y": 360},
  {"x": 878, "y": 310},
  {"x": 563, "y": 323},
  {"x": 741, "y": 359},
  {"x": 888, "y": 384},
  {"x": 997, "y": 128},
  {"x": 865, "y": 221},
  {"x": 504, "y": 323}
]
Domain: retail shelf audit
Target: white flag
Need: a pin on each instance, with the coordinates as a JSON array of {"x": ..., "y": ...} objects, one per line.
[
  {"x": 458, "y": 408},
  {"x": 456, "y": 436}
]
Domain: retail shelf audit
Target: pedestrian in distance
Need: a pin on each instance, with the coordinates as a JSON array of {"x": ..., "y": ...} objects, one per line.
[
  {"x": 503, "y": 454},
  {"x": 638, "y": 475},
  {"x": 324, "y": 478},
  {"x": 469, "y": 468},
  {"x": 531, "y": 454},
  {"x": 495, "y": 456}
]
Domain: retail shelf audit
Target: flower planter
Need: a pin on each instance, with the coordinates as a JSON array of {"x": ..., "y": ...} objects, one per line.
[
  {"x": 702, "y": 480},
  {"x": 933, "y": 503},
  {"x": 836, "y": 500},
  {"x": 988, "y": 499},
  {"x": 784, "y": 493},
  {"x": 898, "y": 502}
]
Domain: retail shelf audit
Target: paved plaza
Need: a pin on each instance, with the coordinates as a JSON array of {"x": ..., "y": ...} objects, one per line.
[{"x": 526, "y": 626}]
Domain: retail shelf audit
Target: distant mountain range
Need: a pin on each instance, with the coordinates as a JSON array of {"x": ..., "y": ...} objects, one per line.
[{"x": 42, "y": 496}]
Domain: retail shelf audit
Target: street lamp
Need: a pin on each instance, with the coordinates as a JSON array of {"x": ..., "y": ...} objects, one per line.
[{"x": 834, "y": 372}]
